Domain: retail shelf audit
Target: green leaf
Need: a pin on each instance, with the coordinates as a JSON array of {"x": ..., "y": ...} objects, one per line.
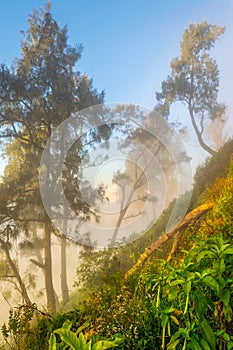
[
  {"x": 208, "y": 334},
  {"x": 67, "y": 324},
  {"x": 225, "y": 296},
  {"x": 52, "y": 342},
  {"x": 104, "y": 344},
  {"x": 173, "y": 345},
  {"x": 205, "y": 345},
  {"x": 175, "y": 320},
  {"x": 165, "y": 320},
  {"x": 229, "y": 280},
  {"x": 212, "y": 283},
  {"x": 85, "y": 325},
  {"x": 203, "y": 254},
  {"x": 226, "y": 337},
  {"x": 71, "y": 339},
  {"x": 225, "y": 246},
  {"x": 194, "y": 344},
  {"x": 222, "y": 266},
  {"x": 169, "y": 310},
  {"x": 187, "y": 287},
  {"x": 207, "y": 272},
  {"x": 158, "y": 297},
  {"x": 227, "y": 312},
  {"x": 178, "y": 281},
  {"x": 201, "y": 302},
  {"x": 228, "y": 251}
]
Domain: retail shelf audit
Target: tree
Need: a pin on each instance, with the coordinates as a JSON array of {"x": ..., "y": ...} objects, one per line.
[
  {"x": 40, "y": 91},
  {"x": 194, "y": 79},
  {"x": 155, "y": 159},
  {"x": 151, "y": 150},
  {"x": 8, "y": 233}
]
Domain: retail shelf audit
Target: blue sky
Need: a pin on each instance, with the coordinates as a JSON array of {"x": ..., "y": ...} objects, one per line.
[{"x": 128, "y": 44}]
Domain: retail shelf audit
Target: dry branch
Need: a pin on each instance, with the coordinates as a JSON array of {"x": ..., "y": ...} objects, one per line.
[{"x": 185, "y": 222}]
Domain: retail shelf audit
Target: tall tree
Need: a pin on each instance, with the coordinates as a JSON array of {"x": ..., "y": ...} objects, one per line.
[
  {"x": 8, "y": 234},
  {"x": 40, "y": 91},
  {"x": 194, "y": 79}
]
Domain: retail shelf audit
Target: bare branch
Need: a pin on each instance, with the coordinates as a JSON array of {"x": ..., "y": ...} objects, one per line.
[{"x": 41, "y": 266}]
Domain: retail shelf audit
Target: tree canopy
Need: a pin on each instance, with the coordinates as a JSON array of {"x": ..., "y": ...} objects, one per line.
[
  {"x": 41, "y": 89},
  {"x": 194, "y": 79}
]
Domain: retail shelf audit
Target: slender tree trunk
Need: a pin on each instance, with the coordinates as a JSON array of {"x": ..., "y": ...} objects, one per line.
[
  {"x": 37, "y": 250},
  {"x": 64, "y": 285},
  {"x": 123, "y": 211},
  {"x": 16, "y": 273},
  {"x": 40, "y": 262},
  {"x": 199, "y": 134},
  {"x": 51, "y": 302}
]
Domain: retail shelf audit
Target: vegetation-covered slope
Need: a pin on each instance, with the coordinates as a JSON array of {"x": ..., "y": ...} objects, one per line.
[{"x": 185, "y": 303}]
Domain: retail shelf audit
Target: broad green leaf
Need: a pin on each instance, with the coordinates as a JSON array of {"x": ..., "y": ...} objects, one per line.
[
  {"x": 67, "y": 324},
  {"x": 52, "y": 342},
  {"x": 208, "y": 334},
  {"x": 104, "y": 344},
  {"x": 185, "y": 334},
  {"x": 71, "y": 339},
  {"x": 212, "y": 283},
  {"x": 229, "y": 280},
  {"x": 228, "y": 251},
  {"x": 201, "y": 302},
  {"x": 225, "y": 246},
  {"x": 178, "y": 281},
  {"x": 205, "y": 345},
  {"x": 204, "y": 254},
  {"x": 191, "y": 276},
  {"x": 226, "y": 337},
  {"x": 194, "y": 344},
  {"x": 225, "y": 296},
  {"x": 169, "y": 310},
  {"x": 173, "y": 345},
  {"x": 207, "y": 272}
]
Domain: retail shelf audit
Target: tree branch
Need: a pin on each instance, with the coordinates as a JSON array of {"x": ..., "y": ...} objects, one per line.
[
  {"x": 41, "y": 266},
  {"x": 187, "y": 220}
]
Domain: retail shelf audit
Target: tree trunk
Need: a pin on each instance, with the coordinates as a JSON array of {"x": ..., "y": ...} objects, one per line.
[
  {"x": 64, "y": 285},
  {"x": 51, "y": 302},
  {"x": 40, "y": 262},
  {"x": 199, "y": 134},
  {"x": 16, "y": 273},
  {"x": 123, "y": 211}
]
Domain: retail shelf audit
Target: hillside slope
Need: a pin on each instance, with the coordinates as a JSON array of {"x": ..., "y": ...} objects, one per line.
[{"x": 179, "y": 296}]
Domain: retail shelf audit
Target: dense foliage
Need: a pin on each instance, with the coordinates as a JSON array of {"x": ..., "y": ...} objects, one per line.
[{"x": 182, "y": 304}]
